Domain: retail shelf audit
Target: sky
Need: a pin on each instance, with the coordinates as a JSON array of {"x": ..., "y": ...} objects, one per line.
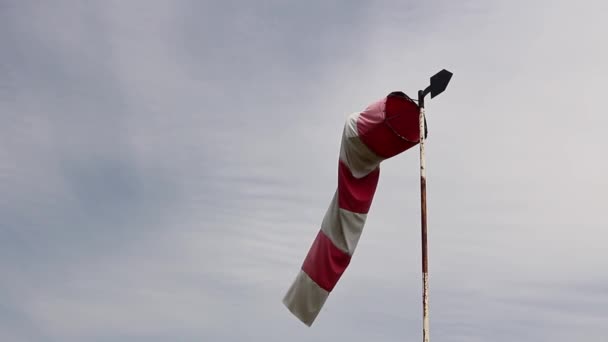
[{"x": 165, "y": 166}]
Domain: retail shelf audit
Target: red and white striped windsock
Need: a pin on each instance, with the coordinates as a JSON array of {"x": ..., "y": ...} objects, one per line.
[{"x": 384, "y": 129}]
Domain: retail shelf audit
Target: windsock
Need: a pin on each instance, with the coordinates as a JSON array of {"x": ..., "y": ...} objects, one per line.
[{"x": 384, "y": 129}]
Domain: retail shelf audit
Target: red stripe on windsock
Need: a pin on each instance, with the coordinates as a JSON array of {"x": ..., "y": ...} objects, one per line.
[
  {"x": 356, "y": 194},
  {"x": 390, "y": 126},
  {"x": 325, "y": 263}
]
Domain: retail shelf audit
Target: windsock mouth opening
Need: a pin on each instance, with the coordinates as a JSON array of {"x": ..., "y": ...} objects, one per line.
[
  {"x": 400, "y": 94},
  {"x": 391, "y": 125}
]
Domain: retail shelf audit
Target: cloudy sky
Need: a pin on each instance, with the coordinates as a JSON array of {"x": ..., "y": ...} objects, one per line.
[{"x": 165, "y": 165}]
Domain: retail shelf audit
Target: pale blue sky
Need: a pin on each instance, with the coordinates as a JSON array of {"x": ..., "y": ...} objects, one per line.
[{"x": 165, "y": 165}]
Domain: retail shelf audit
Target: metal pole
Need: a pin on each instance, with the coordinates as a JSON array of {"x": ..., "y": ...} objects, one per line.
[{"x": 425, "y": 272}]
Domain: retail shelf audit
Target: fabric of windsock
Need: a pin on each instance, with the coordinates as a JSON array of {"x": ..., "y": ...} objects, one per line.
[{"x": 384, "y": 129}]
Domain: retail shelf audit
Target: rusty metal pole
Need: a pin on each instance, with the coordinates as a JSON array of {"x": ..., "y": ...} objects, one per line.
[
  {"x": 439, "y": 82},
  {"x": 425, "y": 264}
]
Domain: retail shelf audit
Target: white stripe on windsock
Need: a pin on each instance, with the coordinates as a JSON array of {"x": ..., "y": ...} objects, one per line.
[
  {"x": 305, "y": 298},
  {"x": 354, "y": 153},
  {"x": 343, "y": 227}
]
